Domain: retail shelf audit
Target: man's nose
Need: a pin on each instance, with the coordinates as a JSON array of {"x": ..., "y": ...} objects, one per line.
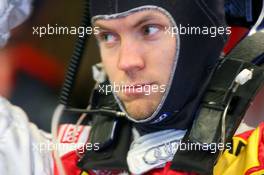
[{"x": 131, "y": 57}]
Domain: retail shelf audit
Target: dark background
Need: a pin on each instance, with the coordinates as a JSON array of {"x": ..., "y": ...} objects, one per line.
[{"x": 35, "y": 67}]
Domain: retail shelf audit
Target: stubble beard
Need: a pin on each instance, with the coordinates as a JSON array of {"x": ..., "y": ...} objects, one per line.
[{"x": 143, "y": 108}]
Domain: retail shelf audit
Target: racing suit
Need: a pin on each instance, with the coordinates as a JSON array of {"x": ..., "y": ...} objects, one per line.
[{"x": 25, "y": 149}]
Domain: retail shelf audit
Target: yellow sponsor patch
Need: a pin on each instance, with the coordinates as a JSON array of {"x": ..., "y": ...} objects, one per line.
[
  {"x": 84, "y": 173},
  {"x": 242, "y": 157}
]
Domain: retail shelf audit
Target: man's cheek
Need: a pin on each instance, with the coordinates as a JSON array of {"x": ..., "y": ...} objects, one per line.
[{"x": 108, "y": 67}]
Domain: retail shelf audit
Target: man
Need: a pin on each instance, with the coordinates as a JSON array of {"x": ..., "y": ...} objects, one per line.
[
  {"x": 160, "y": 77},
  {"x": 139, "y": 53},
  {"x": 135, "y": 42}
]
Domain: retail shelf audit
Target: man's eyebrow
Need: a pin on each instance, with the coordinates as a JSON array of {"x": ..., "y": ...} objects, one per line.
[
  {"x": 138, "y": 23},
  {"x": 101, "y": 26},
  {"x": 143, "y": 20}
]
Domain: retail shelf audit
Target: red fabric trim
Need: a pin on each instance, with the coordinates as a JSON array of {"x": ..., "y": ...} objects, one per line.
[
  {"x": 67, "y": 134},
  {"x": 69, "y": 162},
  {"x": 79, "y": 133},
  {"x": 63, "y": 133},
  {"x": 245, "y": 135},
  {"x": 70, "y": 159},
  {"x": 55, "y": 169},
  {"x": 237, "y": 34},
  {"x": 260, "y": 151},
  {"x": 38, "y": 64},
  {"x": 261, "y": 145},
  {"x": 167, "y": 171}
]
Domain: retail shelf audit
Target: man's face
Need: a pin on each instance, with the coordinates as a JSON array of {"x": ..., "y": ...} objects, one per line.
[{"x": 138, "y": 55}]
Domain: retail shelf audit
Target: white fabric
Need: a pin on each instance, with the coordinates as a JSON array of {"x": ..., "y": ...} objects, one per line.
[
  {"x": 99, "y": 74},
  {"x": 153, "y": 150},
  {"x": 12, "y": 13},
  {"x": 254, "y": 115},
  {"x": 19, "y": 140}
]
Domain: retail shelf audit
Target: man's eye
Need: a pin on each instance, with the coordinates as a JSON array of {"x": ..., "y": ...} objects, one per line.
[
  {"x": 150, "y": 30},
  {"x": 107, "y": 37}
]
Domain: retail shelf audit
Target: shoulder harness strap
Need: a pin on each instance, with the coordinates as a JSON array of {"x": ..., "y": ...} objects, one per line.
[{"x": 207, "y": 127}]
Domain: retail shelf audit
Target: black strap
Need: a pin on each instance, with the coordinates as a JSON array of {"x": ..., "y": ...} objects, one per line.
[
  {"x": 249, "y": 49},
  {"x": 113, "y": 155},
  {"x": 207, "y": 126},
  {"x": 112, "y": 134}
]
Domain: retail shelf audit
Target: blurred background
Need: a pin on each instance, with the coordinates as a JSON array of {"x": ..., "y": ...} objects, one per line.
[{"x": 32, "y": 68}]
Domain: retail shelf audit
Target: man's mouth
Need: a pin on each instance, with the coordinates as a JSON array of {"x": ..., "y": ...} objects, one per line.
[
  {"x": 137, "y": 85},
  {"x": 137, "y": 89}
]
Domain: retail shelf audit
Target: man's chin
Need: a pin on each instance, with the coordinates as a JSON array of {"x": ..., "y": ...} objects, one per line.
[
  {"x": 141, "y": 107},
  {"x": 140, "y": 110}
]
